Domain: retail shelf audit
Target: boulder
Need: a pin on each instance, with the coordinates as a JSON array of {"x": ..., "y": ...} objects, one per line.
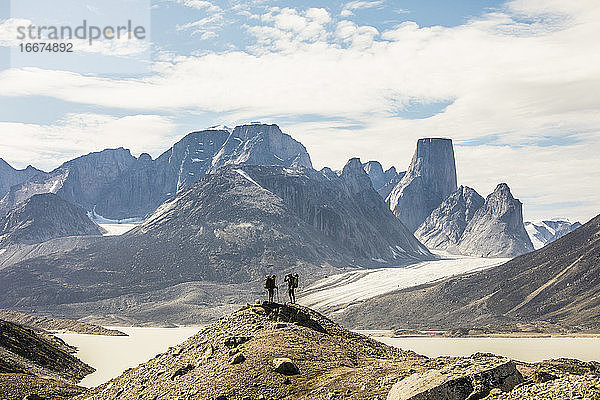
[
  {"x": 471, "y": 378},
  {"x": 285, "y": 366}
]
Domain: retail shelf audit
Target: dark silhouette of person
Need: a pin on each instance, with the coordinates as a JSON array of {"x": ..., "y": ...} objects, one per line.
[
  {"x": 270, "y": 286},
  {"x": 292, "y": 282}
]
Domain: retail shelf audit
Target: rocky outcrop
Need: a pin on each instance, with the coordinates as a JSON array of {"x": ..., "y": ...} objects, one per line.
[
  {"x": 230, "y": 228},
  {"x": 558, "y": 284},
  {"x": 497, "y": 229},
  {"x": 56, "y": 324},
  {"x": 470, "y": 378},
  {"x": 33, "y": 366},
  {"x": 430, "y": 179},
  {"x": 10, "y": 176},
  {"x": 44, "y": 217},
  {"x": 383, "y": 181},
  {"x": 444, "y": 228},
  {"x": 547, "y": 231},
  {"x": 116, "y": 185}
]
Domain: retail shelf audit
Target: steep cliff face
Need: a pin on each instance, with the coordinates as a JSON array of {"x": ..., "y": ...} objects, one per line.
[
  {"x": 10, "y": 176},
  {"x": 497, "y": 228},
  {"x": 430, "y": 179},
  {"x": 44, "y": 217},
  {"x": 444, "y": 228},
  {"x": 260, "y": 144}
]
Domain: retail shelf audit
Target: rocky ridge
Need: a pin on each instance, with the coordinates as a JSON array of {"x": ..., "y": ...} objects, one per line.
[
  {"x": 467, "y": 224},
  {"x": 43, "y": 217},
  {"x": 10, "y": 176},
  {"x": 547, "y": 231},
  {"x": 275, "y": 351}
]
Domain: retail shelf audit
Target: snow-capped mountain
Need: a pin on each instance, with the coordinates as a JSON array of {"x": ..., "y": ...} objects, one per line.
[{"x": 546, "y": 231}]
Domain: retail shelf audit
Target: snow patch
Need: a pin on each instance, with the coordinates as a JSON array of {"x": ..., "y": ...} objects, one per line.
[
  {"x": 114, "y": 227},
  {"x": 245, "y": 175}
]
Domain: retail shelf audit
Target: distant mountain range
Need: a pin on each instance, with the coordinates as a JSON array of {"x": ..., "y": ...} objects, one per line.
[
  {"x": 558, "y": 284},
  {"x": 547, "y": 231},
  {"x": 117, "y": 185}
]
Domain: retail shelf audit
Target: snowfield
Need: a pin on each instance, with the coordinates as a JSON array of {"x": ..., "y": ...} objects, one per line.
[
  {"x": 115, "y": 227},
  {"x": 336, "y": 293}
]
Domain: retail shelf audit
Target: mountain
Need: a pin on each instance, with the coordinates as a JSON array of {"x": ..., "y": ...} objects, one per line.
[
  {"x": 430, "y": 179},
  {"x": 558, "y": 284},
  {"x": 117, "y": 185},
  {"x": 444, "y": 227},
  {"x": 80, "y": 181},
  {"x": 383, "y": 181},
  {"x": 10, "y": 176},
  {"x": 497, "y": 229},
  {"x": 221, "y": 235},
  {"x": 43, "y": 217},
  {"x": 35, "y": 365},
  {"x": 547, "y": 231}
]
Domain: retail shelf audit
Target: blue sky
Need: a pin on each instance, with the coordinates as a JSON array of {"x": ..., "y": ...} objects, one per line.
[{"x": 514, "y": 84}]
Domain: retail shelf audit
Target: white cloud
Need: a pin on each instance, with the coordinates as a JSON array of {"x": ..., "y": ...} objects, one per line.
[
  {"x": 351, "y": 6},
  {"x": 201, "y": 5},
  {"x": 46, "y": 146}
]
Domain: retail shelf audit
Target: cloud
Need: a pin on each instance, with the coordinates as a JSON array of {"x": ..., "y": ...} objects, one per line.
[
  {"x": 77, "y": 134},
  {"x": 201, "y": 5},
  {"x": 351, "y": 6}
]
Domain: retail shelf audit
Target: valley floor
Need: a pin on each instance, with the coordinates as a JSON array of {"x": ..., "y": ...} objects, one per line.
[{"x": 338, "y": 292}]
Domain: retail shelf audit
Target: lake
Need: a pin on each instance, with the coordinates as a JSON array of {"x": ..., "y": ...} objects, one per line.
[{"x": 111, "y": 355}]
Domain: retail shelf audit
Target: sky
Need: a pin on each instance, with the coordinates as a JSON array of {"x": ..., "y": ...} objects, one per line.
[{"x": 514, "y": 83}]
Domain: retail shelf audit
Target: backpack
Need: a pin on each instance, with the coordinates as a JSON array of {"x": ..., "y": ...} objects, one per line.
[
  {"x": 269, "y": 283},
  {"x": 295, "y": 282}
]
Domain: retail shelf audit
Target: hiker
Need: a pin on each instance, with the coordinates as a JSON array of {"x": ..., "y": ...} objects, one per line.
[
  {"x": 270, "y": 286},
  {"x": 292, "y": 281}
]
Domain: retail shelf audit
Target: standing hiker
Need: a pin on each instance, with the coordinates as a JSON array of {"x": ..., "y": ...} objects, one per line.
[
  {"x": 270, "y": 286},
  {"x": 292, "y": 282}
]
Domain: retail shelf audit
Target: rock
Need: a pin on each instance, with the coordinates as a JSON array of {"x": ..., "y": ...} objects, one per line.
[
  {"x": 383, "y": 181},
  {"x": 468, "y": 379},
  {"x": 33, "y": 397},
  {"x": 234, "y": 341},
  {"x": 182, "y": 371},
  {"x": 444, "y": 227},
  {"x": 430, "y": 179},
  {"x": 285, "y": 366},
  {"x": 237, "y": 359},
  {"x": 10, "y": 176},
  {"x": 497, "y": 229}
]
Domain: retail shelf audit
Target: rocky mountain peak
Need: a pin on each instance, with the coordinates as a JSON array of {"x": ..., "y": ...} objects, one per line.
[
  {"x": 430, "y": 179},
  {"x": 355, "y": 176},
  {"x": 497, "y": 228}
]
